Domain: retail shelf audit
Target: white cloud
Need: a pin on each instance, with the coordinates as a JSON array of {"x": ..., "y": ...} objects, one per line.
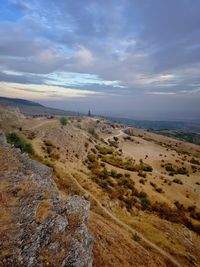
[
  {"x": 47, "y": 92},
  {"x": 84, "y": 56},
  {"x": 160, "y": 93},
  {"x": 156, "y": 80}
]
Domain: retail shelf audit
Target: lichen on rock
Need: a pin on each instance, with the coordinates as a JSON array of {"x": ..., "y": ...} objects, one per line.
[{"x": 38, "y": 227}]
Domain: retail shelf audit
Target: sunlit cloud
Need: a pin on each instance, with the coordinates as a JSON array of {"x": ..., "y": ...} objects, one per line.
[
  {"x": 45, "y": 92},
  {"x": 160, "y": 93},
  {"x": 78, "y": 79}
]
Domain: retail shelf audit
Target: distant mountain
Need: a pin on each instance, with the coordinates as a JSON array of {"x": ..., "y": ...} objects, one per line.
[
  {"x": 18, "y": 102},
  {"x": 31, "y": 108}
]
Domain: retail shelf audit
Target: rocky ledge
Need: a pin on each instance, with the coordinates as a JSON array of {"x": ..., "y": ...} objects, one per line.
[{"x": 37, "y": 226}]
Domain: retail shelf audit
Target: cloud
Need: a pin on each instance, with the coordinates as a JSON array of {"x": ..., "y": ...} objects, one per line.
[
  {"x": 47, "y": 92},
  {"x": 129, "y": 48},
  {"x": 160, "y": 93},
  {"x": 20, "y": 4}
]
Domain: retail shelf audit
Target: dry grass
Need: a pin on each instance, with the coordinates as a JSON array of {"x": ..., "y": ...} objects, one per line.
[
  {"x": 42, "y": 211},
  {"x": 154, "y": 150}
]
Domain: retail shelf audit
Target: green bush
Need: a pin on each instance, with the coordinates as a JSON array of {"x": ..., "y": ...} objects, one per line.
[
  {"x": 126, "y": 164},
  {"x": 145, "y": 203},
  {"x": 63, "y": 121},
  {"x": 182, "y": 171},
  {"x": 92, "y": 131},
  {"x": 169, "y": 167},
  {"x": 17, "y": 141},
  {"x": 104, "y": 150}
]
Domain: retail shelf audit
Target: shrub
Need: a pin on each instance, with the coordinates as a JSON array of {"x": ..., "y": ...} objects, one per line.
[
  {"x": 195, "y": 215},
  {"x": 93, "y": 150},
  {"x": 177, "y": 181},
  {"x": 86, "y": 145},
  {"x": 113, "y": 143},
  {"x": 147, "y": 168},
  {"x": 182, "y": 170},
  {"x": 104, "y": 150},
  {"x": 27, "y": 148},
  {"x": 194, "y": 161},
  {"x": 191, "y": 208},
  {"x": 92, "y": 157},
  {"x": 153, "y": 184},
  {"x": 17, "y": 141},
  {"x": 93, "y": 132},
  {"x": 142, "y": 181},
  {"x": 142, "y": 174},
  {"x": 136, "y": 237},
  {"x": 169, "y": 167},
  {"x": 145, "y": 203},
  {"x": 178, "y": 205},
  {"x": 159, "y": 190},
  {"x": 113, "y": 173},
  {"x": 63, "y": 121}
]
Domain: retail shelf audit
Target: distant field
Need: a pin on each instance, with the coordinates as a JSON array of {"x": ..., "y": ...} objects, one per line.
[
  {"x": 181, "y": 135},
  {"x": 160, "y": 125}
]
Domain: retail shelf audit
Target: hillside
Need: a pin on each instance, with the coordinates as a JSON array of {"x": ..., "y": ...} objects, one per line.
[
  {"x": 143, "y": 188},
  {"x": 31, "y": 108},
  {"x": 38, "y": 226},
  {"x": 6, "y": 101}
]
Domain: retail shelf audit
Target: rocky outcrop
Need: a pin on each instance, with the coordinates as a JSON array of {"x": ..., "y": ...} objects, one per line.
[
  {"x": 38, "y": 227},
  {"x": 10, "y": 118}
]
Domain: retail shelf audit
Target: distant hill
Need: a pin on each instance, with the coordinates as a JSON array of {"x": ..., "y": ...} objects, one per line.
[
  {"x": 31, "y": 108},
  {"x": 18, "y": 102}
]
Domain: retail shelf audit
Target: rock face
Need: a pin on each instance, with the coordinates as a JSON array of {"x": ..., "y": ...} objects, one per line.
[
  {"x": 37, "y": 226},
  {"x": 10, "y": 117}
]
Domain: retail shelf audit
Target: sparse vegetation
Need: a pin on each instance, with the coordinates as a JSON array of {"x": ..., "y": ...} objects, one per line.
[
  {"x": 63, "y": 121},
  {"x": 159, "y": 190},
  {"x": 92, "y": 131},
  {"x": 194, "y": 161},
  {"x": 142, "y": 174},
  {"x": 127, "y": 164},
  {"x": 136, "y": 237},
  {"x": 113, "y": 143},
  {"x": 177, "y": 181},
  {"x": 19, "y": 142},
  {"x": 104, "y": 150},
  {"x": 145, "y": 203},
  {"x": 173, "y": 171}
]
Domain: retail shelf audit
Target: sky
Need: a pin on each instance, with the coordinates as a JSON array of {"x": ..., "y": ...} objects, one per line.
[{"x": 138, "y": 59}]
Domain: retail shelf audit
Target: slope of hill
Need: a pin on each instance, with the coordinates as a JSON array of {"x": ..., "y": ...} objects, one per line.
[
  {"x": 17, "y": 102},
  {"x": 143, "y": 188},
  {"x": 31, "y": 108},
  {"x": 38, "y": 227}
]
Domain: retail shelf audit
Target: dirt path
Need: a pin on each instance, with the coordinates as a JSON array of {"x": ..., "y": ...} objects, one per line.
[
  {"x": 127, "y": 227},
  {"x": 121, "y": 132},
  {"x": 41, "y": 124}
]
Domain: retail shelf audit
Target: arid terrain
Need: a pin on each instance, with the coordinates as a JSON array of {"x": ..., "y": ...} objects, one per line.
[{"x": 143, "y": 188}]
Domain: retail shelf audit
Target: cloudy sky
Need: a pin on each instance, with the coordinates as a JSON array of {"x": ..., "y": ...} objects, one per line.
[{"x": 130, "y": 58}]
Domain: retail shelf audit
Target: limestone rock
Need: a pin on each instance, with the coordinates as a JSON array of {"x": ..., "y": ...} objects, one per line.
[{"x": 38, "y": 227}]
